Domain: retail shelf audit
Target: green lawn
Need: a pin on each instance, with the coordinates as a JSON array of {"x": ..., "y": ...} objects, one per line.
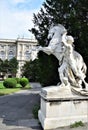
[
  {"x": 1, "y": 85},
  {"x": 6, "y": 91}
]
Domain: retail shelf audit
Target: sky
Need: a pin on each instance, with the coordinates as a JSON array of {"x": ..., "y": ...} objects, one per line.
[{"x": 16, "y": 18}]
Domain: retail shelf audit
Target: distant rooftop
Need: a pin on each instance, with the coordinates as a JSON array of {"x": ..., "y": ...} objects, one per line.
[{"x": 18, "y": 40}]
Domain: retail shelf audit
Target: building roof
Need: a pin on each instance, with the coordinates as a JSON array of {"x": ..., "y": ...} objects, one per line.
[{"x": 24, "y": 40}]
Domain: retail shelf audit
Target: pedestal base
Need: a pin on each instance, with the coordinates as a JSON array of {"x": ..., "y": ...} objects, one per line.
[{"x": 59, "y": 111}]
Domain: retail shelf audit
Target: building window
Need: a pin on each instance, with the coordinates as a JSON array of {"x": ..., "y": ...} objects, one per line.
[
  {"x": 11, "y": 47},
  {"x": 20, "y": 54},
  {"x": 27, "y": 46},
  {"x": 2, "y": 46},
  {"x": 27, "y": 55},
  {"x": 2, "y": 55},
  {"x": 10, "y": 55}
]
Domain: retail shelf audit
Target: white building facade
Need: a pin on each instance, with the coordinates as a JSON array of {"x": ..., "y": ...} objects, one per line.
[{"x": 18, "y": 48}]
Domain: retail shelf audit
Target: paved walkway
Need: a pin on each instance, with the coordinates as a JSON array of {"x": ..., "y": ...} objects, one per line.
[{"x": 16, "y": 111}]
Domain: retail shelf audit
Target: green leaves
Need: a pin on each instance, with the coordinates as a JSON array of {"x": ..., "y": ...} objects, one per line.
[{"x": 9, "y": 67}]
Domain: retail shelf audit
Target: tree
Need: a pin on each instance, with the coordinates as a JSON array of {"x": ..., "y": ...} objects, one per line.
[
  {"x": 47, "y": 69},
  {"x": 13, "y": 66},
  {"x": 29, "y": 70},
  {"x": 40, "y": 70},
  {"x": 1, "y": 66},
  {"x": 4, "y": 67},
  {"x": 9, "y": 67},
  {"x": 73, "y": 14},
  {"x": 1, "y": 61}
]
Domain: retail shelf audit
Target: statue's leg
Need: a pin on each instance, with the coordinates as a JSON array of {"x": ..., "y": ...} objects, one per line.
[
  {"x": 78, "y": 73},
  {"x": 82, "y": 76},
  {"x": 79, "y": 83},
  {"x": 62, "y": 74},
  {"x": 86, "y": 85}
]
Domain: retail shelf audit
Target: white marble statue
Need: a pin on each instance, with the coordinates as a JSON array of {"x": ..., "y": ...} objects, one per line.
[{"x": 72, "y": 69}]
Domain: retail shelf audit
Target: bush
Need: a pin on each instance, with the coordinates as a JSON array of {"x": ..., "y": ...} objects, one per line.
[
  {"x": 17, "y": 79},
  {"x": 35, "y": 111},
  {"x": 18, "y": 85},
  {"x": 24, "y": 82},
  {"x": 10, "y": 83},
  {"x": 77, "y": 124}
]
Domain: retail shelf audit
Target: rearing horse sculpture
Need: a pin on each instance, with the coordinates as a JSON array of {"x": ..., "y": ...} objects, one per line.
[{"x": 72, "y": 68}]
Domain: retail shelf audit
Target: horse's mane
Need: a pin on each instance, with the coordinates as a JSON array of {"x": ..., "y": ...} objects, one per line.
[{"x": 57, "y": 25}]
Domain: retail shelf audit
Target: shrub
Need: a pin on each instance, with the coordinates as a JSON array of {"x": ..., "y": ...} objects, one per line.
[
  {"x": 77, "y": 124},
  {"x": 10, "y": 83},
  {"x": 18, "y": 85},
  {"x": 18, "y": 80},
  {"x": 24, "y": 81},
  {"x": 35, "y": 111}
]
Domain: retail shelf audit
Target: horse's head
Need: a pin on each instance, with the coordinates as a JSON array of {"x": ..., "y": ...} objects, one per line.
[
  {"x": 56, "y": 29},
  {"x": 51, "y": 32}
]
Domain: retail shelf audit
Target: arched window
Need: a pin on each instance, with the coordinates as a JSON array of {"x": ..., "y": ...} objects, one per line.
[
  {"x": 2, "y": 55},
  {"x": 10, "y": 55}
]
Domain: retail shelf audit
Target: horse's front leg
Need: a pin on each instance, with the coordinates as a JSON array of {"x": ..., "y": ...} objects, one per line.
[{"x": 48, "y": 50}]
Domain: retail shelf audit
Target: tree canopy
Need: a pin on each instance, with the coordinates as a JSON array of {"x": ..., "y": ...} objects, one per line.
[{"x": 9, "y": 67}]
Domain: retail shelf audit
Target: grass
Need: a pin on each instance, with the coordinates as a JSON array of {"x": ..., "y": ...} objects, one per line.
[
  {"x": 35, "y": 111},
  {"x": 1, "y": 85},
  {"x": 77, "y": 124},
  {"x": 28, "y": 86},
  {"x": 6, "y": 91}
]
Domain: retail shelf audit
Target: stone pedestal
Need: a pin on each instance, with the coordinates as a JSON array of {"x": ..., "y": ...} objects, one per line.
[{"x": 60, "y": 107}]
